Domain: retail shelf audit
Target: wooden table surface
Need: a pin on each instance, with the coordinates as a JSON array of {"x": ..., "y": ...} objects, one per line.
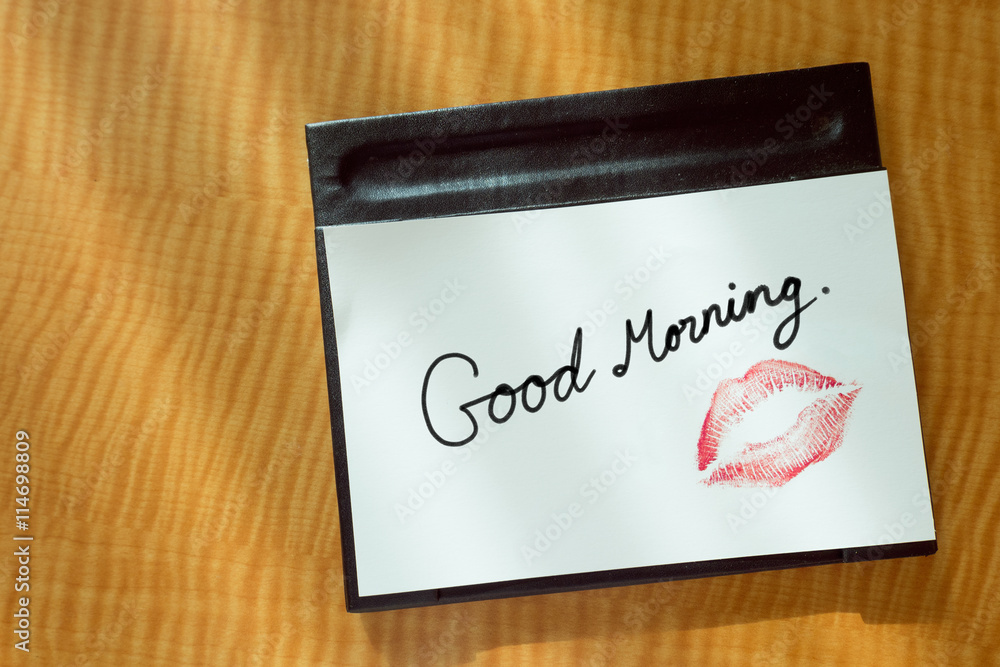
[{"x": 161, "y": 340}]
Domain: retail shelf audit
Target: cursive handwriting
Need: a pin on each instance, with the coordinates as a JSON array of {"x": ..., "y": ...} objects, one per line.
[
  {"x": 571, "y": 370},
  {"x": 672, "y": 340},
  {"x": 696, "y": 329}
]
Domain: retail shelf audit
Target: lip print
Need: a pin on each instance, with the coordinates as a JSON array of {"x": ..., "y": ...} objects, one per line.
[{"x": 817, "y": 432}]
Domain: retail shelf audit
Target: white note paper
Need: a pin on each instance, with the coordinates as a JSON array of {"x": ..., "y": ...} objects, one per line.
[{"x": 792, "y": 428}]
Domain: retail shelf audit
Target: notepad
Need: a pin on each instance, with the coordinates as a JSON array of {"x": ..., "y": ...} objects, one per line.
[{"x": 608, "y": 339}]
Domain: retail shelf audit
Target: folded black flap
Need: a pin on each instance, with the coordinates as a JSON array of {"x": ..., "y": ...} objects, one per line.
[{"x": 595, "y": 147}]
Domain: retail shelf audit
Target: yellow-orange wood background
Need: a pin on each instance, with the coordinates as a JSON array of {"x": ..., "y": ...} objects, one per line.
[{"x": 160, "y": 326}]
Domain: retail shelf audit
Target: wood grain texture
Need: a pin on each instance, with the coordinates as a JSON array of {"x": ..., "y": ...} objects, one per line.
[{"x": 161, "y": 341}]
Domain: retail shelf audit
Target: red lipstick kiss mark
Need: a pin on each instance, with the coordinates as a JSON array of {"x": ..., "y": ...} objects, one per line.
[{"x": 817, "y": 432}]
